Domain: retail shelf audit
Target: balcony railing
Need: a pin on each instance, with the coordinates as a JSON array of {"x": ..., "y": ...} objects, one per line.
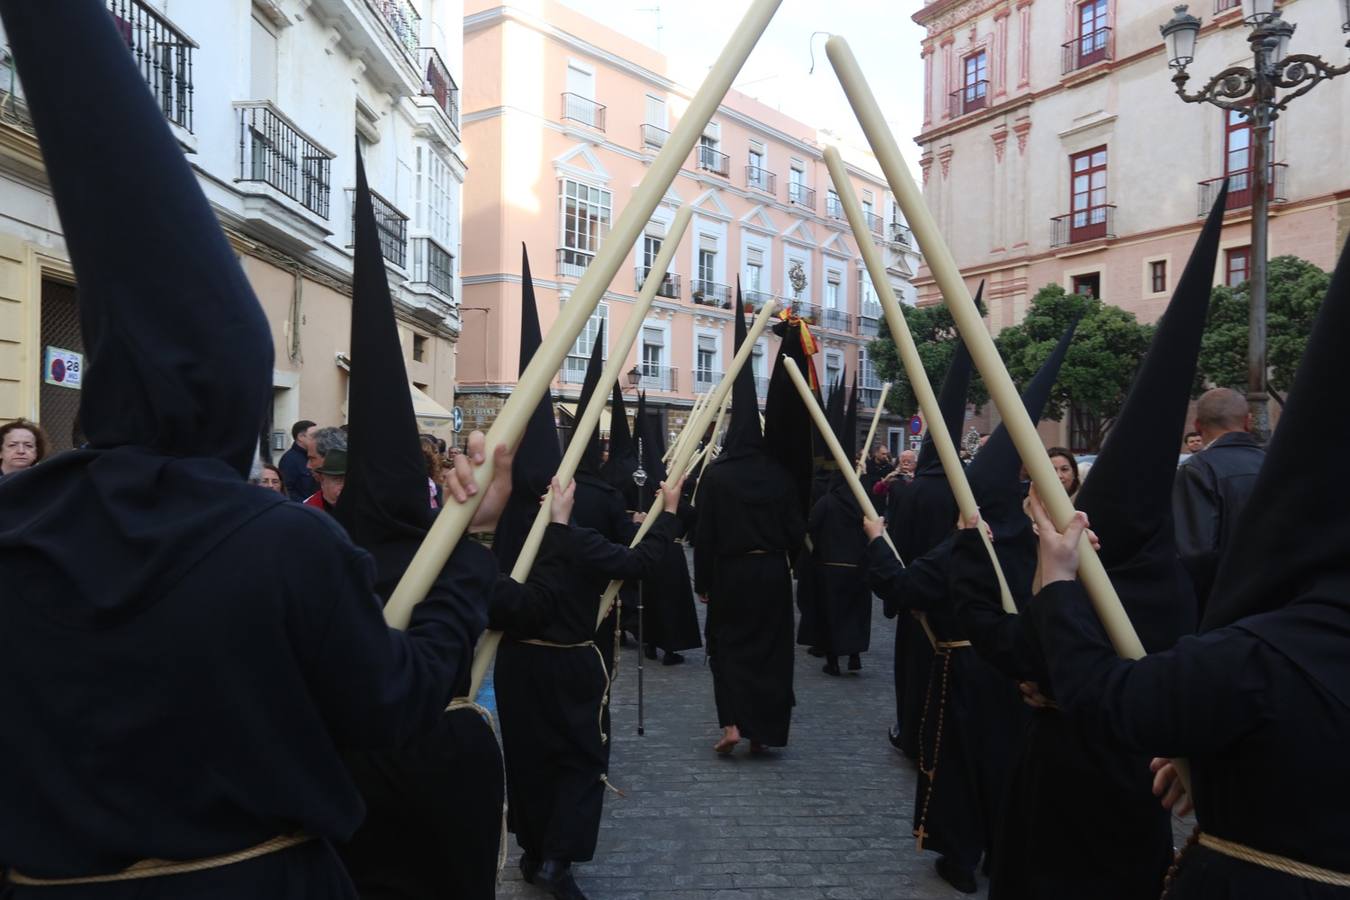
[
  {"x": 710, "y": 293},
  {"x": 273, "y": 151},
  {"x": 162, "y": 53},
  {"x": 433, "y": 266},
  {"x": 658, "y": 378},
  {"x": 391, "y": 224},
  {"x": 803, "y": 309},
  {"x": 577, "y": 108},
  {"x": 710, "y": 160},
  {"x": 573, "y": 263},
  {"x": 761, "y": 179},
  {"x": 574, "y": 369},
  {"x": 670, "y": 285},
  {"x": 836, "y": 319},
  {"x": 755, "y": 300},
  {"x": 869, "y": 397},
  {"x": 833, "y": 208},
  {"x": 968, "y": 99},
  {"x": 437, "y": 83},
  {"x": 874, "y": 223},
  {"x": 1240, "y": 188},
  {"x": 802, "y": 195},
  {"x": 900, "y": 234},
  {"x": 654, "y": 136},
  {"x": 1093, "y": 223},
  {"x": 1083, "y": 51},
  {"x": 869, "y": 324},
  {"x": 402, "y": 19},
  {"x": 705, "y": 380}
]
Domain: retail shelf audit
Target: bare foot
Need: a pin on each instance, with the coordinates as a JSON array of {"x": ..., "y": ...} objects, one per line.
[{"x": 731, "y": 736}]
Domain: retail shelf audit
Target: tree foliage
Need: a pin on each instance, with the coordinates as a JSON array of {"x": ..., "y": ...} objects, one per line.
[
  {"x": 935, "y": 335},
  {"x": 1295, "y": 288}
]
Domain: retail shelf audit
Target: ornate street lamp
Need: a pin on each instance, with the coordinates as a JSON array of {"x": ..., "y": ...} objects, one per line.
[
  {"x": 634, "y": 377},
  {"x": 1251, "y": 92}
]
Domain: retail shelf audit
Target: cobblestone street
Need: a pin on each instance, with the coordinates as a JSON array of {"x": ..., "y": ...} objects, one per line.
[{"x": 827, "y": 817}]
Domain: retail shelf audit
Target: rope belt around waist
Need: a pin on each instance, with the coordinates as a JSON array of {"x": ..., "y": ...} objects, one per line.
[
  {"x": 535, "y": 642},
  {"x": 1273, "y": 861},
  {"x": 841, "y": 565},
  {"x": 952, "y": 645},
  {"x": 159, "y": 868},
  {"x": 609, "y": 682}
]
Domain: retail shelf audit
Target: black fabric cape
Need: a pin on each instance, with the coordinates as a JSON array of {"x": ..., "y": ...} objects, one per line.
[{"x": 842, "y": 599}]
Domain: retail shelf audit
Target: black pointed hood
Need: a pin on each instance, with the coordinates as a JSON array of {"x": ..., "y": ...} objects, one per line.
[
  {"x": 1128, "y": 493},
  {"x": 848, "y": 436},
  {"x": 386, "y": 496},
  {"x": 618, "y": 469},
  {"x": 1288, "y": 551},
  {"x": 789, "y": 430},
  {"x": 590, "y": 458},
  {"x": 178, "y": 353},
  {"x": 653, "y": 447},
  {"x": 952, "y": 402},
  {"x": 994, "y": 473},
  {"x": 744, "y": 436}
]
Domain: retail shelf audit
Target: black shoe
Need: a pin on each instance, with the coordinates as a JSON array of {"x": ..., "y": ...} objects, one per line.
[
  {"x": 961, "y": 879},
  {"x": 831, "y": 666},
  {"x": 555, "y": 877},
  {"x": 854, "y": 662},
  {"x": 815, "y": 651},
  {"x": 650, "y": 651},
  {"x": 893, "y": 735},
  {"x": 672, "y": 658},
  {"x": 529, "y": 867}
]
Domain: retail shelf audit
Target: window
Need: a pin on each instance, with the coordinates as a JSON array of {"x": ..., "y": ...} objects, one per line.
[
  {"x": 832, "y": 291},
  {"x": 754, "y": 272},
  {"x": 707, "y": 265},
  {"x": 834, "y": 366},
  {"x": 1237, "y": 265},
  {"x": 651, "y": 246},
  {"x": 705, "y": 361},
  {"x": 757, "y": 176},
  {"x": 975, "y": 82},
  {"x": 709, "y": 157},
  {"x": 1092, "y": 32},
  {"x": 833, "y": 208},
  {"x": 262, "y": 61},
  {"x": 654, "y": 373},
  {"x": 585, "y": 222},
  {"x": 868, "y": 305},
  {"x": 1157, "y": 276},
  {"x": 797, "y": 183},
  {"x": 574, "y": 367},
  {"x": 1087, "y": 185},
  {"x": 419, "y": 348},
  {"x": 1237, "y": 158},
  {"x": 433, "y": 195},
  {"x": 579, "y": 101},
  {"x": 1088, "y": 284},
  {"x": 656, "y": 111}
]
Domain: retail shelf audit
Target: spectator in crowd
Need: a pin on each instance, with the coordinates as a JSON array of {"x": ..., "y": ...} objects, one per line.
[
  {"x": 1195, "y": 442},
  {"x": 22, "y": 444},
  {"x": 294, "y": 465},
  {"x": 431, "y": 452},
  {"x": 1213, "y": 486},
  {"x": 1066, "y": 467},
  {"x": 332, "y": 474},
  {"x": 271, "y": 479}
]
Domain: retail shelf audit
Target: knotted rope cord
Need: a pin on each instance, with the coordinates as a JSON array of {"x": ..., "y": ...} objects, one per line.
[
  {"x": 465, "y": 703},
  {"x": 159, "y": 868}
]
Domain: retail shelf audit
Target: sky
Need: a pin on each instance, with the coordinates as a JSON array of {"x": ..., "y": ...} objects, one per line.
[{"x": 880, "y": 32}]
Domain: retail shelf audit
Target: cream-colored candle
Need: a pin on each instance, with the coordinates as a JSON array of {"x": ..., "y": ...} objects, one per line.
[
  {"x": 585, "y": 426},
  {"x": 909, "y": 356},
  {"x": 681, "y": 462},
  {"x": 872, "y": 430},
  {"x": 985, "y": 355},
  {"x": 452, "y": 522}
]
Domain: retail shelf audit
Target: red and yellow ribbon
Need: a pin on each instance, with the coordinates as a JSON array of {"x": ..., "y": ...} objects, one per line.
[{"x": 810, "y": 346}]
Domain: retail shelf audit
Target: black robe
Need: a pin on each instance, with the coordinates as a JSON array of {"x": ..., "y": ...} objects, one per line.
[
  {"x": 1260, "y": 710},
  {"x": 750, "y": 523},
  {"x": 843, "y": 600},
  {"x": 810, "y": 628},
  {"x": 969, "y": 717},
  {"x": 551, "y": 698},
  {"x": 1120, "y": 844}
]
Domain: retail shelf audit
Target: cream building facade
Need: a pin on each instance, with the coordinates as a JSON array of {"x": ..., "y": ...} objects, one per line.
[
  {"x": 1054, "y": 149},
  {"x": 270, "y": 99},
  {"x": 561, "y": 121}
]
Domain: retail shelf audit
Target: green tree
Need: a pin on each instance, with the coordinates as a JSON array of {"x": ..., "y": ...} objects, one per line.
[
  {"x": 1295, "y": 288},
  {"x": 935, "y": 338},
  {"x": 1098, "y": 368}
]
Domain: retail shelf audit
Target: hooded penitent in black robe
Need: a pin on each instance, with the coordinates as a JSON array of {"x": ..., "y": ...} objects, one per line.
[
  {"x": 811, "y": 628},
  {"x": 750, "y": 523},
  {"x": 175, "y": 687},
  {"x": 1264, "y": 690},
  {"x": 1065, "y": 768}
]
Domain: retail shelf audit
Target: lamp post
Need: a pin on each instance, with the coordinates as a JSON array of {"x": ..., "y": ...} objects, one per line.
[{"x": 1252, "y": 92}]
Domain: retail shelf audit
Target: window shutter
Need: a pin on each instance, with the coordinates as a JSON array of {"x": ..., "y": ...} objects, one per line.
[
  {"x": 707, "y": 242},
  {"x": 754, "y": 256}
]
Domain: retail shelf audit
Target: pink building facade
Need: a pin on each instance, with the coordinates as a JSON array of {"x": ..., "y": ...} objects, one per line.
[
  {"x": 1055, "y": 150},
  {"x": 561, "y": 122}
]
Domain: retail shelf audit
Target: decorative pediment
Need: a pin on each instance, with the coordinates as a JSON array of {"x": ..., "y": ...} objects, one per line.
[
  {"x": 709, "y": 203},
  {"x": 581, "y": 162},
  {"x": 801, "y": 233},
  {"x": 839, "y": 245},
  {"x": 758, "y": 218}
]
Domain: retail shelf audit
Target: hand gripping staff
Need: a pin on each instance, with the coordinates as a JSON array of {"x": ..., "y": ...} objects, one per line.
[
  {"x": 510, "y": 424},
  {"x": 909, "y": 355},
  {"x": 683, "y": 459}
]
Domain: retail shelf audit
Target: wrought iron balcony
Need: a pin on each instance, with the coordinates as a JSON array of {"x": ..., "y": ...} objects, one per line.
[
  {"x": 654, "y": 137},
  {"x": 705, "y": 380},
  {"x": 869, "y": 325},
  {"x": 710, "y": 160},
  {"x": 755, "y": 300},
  {"x": 900, "y": 234},
  {"x": 710, "y": 293},
  {"x": 433, "y": 266},
  {"x": 574, "y": 369},
  {"x": 1240, "y": 188},
  {"x": 658, "y": 378},
  {"x": 437, "y": 83},
  {"x": 802, "y": 195},
  {"x": 162, "y": 53},
  {"x": 973, "y": 96},
  {"x": 272, "y": 150},
  {"x": 573, "y": 263},
  {"x": 576, "y": 108},
  {"x": 1083, "y": 51},
  {"x": 1093, "y": 223},
  {"x": 670, "y": 285},
  {"x": 761, "y": 179},
  {"x": 391, "y": 224},
  {"x": 833, "y": 208},
  {"x": 803, "y": 309},
  {"x": 836, "y": 319},
  {"x": 402, "y": 19},
  {"x": 873, "y": 223}
]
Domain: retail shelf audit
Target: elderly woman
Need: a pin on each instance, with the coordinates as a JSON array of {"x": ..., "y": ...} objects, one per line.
[{"x": 22, "y": 444}]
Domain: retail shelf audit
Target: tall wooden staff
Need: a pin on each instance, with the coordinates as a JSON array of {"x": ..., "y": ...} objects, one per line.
[
  {"x": 948, "y": 277},
  {"x": 909, "y": 355},
  {"x": 585, "y": 426},
  {"x": 876, "y": 419},
  {"x": 451, "y": 524},
  {"x": 712, "y": 442},
  {"x": 682, "y": 460}
]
